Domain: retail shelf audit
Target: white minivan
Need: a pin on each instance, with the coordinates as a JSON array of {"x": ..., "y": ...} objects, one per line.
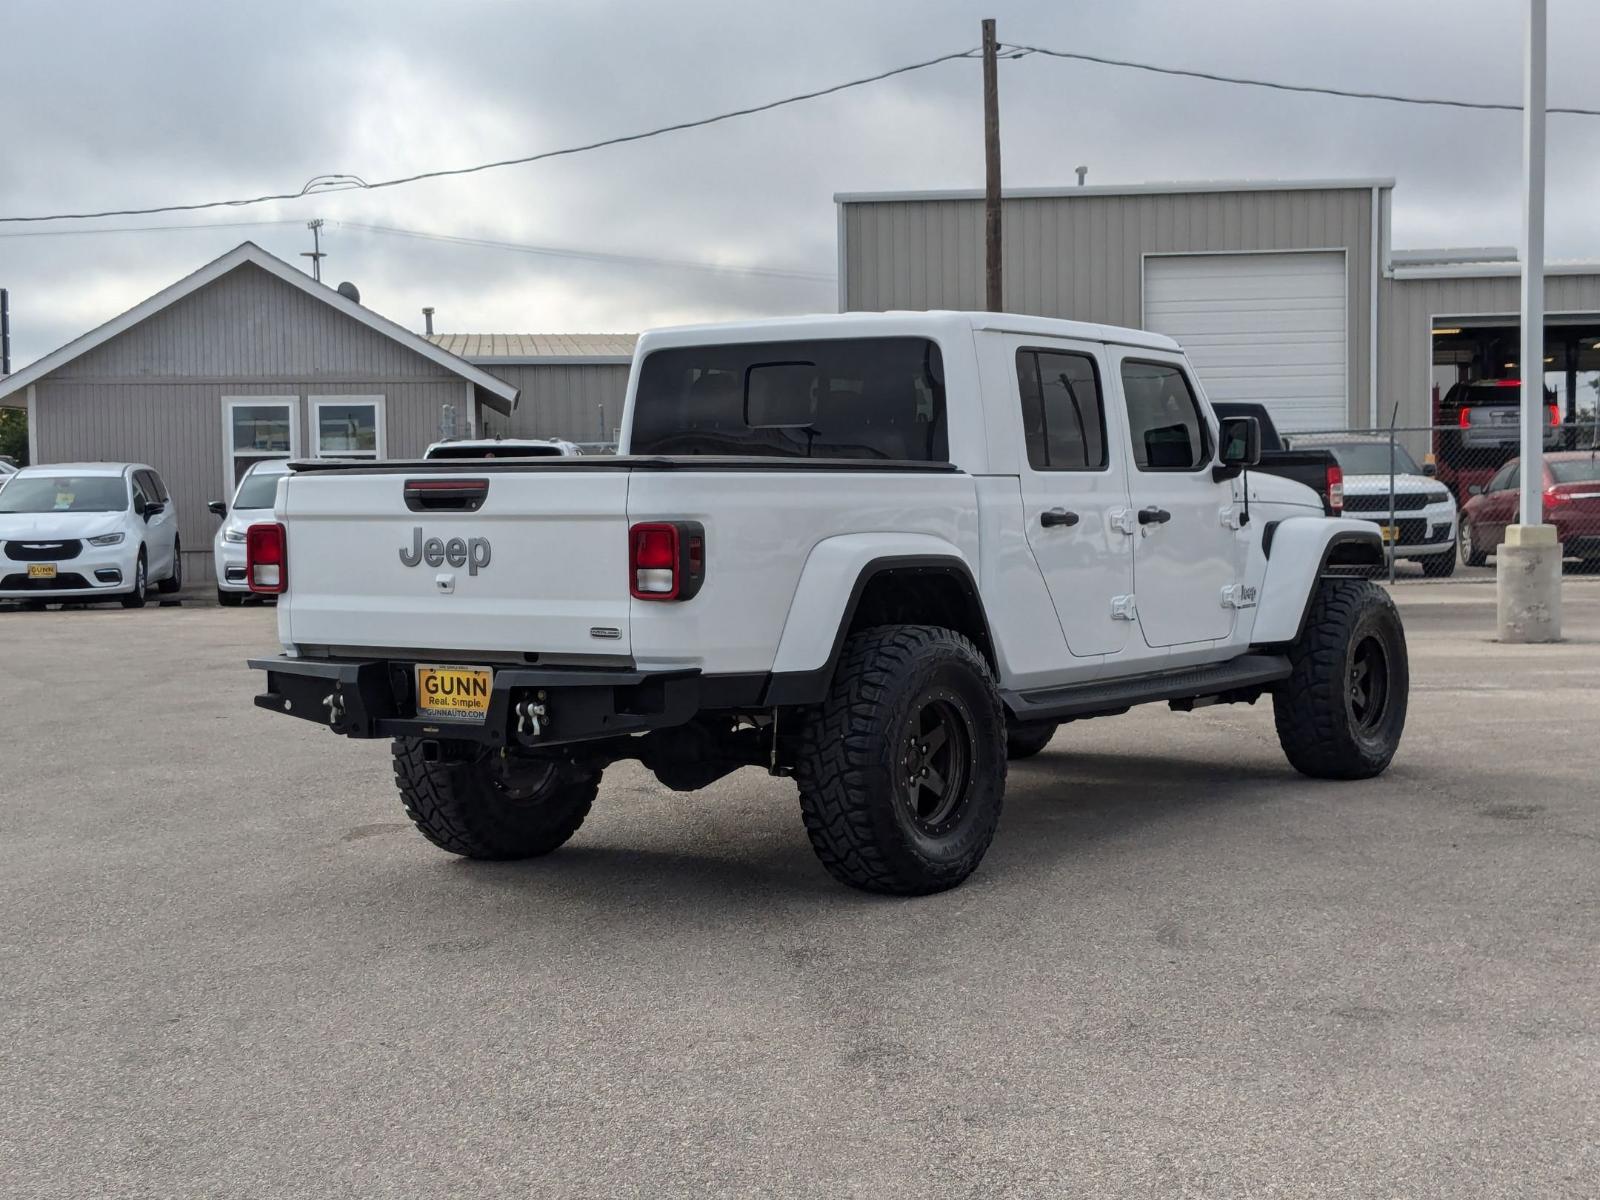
[
  {"x": 88, "y": 531},
  {"x": 252, "y": 503}
]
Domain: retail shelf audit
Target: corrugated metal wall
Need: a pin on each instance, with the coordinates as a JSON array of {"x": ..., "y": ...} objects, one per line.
[
  {"x": 1407, "y": 308},
  {"x": 154, "y": 393},
  {"x": 579, "y": 403},
  {"x": 1080, "y": 257}
]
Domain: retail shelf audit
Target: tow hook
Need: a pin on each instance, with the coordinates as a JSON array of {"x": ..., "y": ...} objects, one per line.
[
  {"x": 334, "y": 703},
  {"x": 531, "y": 716}
]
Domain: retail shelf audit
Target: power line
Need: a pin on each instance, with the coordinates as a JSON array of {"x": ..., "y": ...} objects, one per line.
[
  {"x": 321, "y": 184},
  {"x": 333, "y": 183},
  {"x": 1020, "y": 51},
  {"x": 595, "y": 255},
  {"x": 82, "y": 231}
]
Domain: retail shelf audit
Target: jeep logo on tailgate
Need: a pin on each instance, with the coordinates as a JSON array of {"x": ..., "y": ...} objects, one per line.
[{"x": 472, "y": 553}]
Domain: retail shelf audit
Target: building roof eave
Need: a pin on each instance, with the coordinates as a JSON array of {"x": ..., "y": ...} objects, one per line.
[{"x": 497, "y": 391}]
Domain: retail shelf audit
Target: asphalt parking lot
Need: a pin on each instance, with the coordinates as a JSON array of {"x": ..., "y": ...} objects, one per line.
[{"x": 229, "y": 967}]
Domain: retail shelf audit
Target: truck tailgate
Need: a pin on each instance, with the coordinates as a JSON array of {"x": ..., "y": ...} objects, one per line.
[{"x": 541, "y": 567}]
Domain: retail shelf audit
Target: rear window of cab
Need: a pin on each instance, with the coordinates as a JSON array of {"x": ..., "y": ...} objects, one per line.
[{"x": 873, "y": 398}]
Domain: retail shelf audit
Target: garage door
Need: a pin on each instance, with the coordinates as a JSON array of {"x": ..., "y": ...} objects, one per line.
[{"x": 1262, "y": 327}]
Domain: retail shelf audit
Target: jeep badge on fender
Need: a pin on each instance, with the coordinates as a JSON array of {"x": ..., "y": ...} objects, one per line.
[{"x": 472, "y": 553}]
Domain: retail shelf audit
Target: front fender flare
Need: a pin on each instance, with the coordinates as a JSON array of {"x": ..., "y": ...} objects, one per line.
[{"x": 1300, "y": 551}]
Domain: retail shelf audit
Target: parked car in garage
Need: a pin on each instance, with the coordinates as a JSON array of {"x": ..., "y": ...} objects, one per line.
[
  {"x": 1480, "y": 431},
  {"x": 252, "y": 503},
  {"x": 1571, "y": 503},
  {"x": 502, "y": 448},
  {"x": 1419, "y": 523},
  {"x": 88, "y": 531}
]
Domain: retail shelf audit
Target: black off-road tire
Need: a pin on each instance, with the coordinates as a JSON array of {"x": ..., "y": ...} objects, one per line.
[
  {"x": 858, "y": 762},
  {"x": 464, "y": 806},
  {"x": 1024, "y": 741},
  {"x": 229, "y": 599},
  {"x": 141, "y": 582},
  {"x": 1336, "y": 718},
  {"x": 1470, "y": 554},
  {"x": 1439, "y": 566},
  {"x": 174, "y": 582}
]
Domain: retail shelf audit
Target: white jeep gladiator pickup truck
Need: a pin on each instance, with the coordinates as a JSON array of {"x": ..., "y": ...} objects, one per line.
[{"x": 881, "y": 553}]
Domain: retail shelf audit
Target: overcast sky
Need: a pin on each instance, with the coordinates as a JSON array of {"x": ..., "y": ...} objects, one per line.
[{"x": 115, "y": 104}]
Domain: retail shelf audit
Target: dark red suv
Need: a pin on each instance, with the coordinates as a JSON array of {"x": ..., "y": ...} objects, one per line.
[{"x": 1571, "y": 503}]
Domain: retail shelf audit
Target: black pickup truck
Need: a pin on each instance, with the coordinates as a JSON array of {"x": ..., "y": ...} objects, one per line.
[{"x": 1317, "y": 469}]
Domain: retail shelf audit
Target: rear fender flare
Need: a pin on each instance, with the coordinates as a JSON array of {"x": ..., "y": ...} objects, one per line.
[{"x": 835, "y": 575}]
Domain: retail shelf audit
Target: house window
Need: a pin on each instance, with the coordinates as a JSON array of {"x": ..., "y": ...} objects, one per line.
[
  {"x": 348, "y": 426},
  {"x": 255, "y": 428}
]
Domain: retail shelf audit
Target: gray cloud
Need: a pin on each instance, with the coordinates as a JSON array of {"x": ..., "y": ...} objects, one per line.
[{"x": 119, "y": 105}]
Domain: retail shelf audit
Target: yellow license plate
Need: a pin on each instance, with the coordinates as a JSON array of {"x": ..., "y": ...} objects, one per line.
[
  {"x": 41, "y": 570},
  {"x": 1391, "y": 533},
  {"x": 453, "y": 693}
]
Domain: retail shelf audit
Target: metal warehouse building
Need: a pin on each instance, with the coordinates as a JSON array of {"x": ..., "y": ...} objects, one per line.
[
  {"x": 572, "y": 384},
  {"x": 250, "y": 358},
  {"x": 1286, "y": 292}
]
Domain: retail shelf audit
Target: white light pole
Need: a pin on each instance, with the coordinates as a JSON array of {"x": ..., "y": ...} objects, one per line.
[{"x": 1528, "y": 565}]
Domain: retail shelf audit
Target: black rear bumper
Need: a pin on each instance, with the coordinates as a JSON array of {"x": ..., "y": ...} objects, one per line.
[{"x": 527, "y": 706}]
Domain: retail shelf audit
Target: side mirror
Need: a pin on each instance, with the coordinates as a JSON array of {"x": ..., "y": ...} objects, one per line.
[
  {"x": 1474, "y": 489},
  {"x": 1241, "y": 446},
  {"x": 218, "y": 508},
  {"x": 154, "y": 509}
]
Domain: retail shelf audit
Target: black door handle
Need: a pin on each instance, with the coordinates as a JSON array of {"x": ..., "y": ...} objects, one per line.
[
  {"x": 1154, "y": 516},
  {"x": 1057, "y": 516}
]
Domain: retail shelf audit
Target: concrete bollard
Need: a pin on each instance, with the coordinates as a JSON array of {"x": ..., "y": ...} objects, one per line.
[{"x": 1528, "y": 584}]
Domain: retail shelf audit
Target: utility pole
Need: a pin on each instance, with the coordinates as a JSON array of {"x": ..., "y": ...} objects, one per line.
[
  {"x": 5, "y": 332},
  {"x": 1528, "y": 564},
  {"x": 991, "y": 171},
  {"x": 315, "y": 254}
]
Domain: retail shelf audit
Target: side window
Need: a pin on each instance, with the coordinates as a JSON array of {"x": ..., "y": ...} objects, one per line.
[
  {"x": 140, "y": 492},
  {"x": 1063, "y": 417},
  {"x": 1164, "y": 421},
  {"x": 1513, "y": 480},
  {"x": 148, "y": 484},
  {"x": 160, "y": 486},
  {"x": 1498, "y": 483}
]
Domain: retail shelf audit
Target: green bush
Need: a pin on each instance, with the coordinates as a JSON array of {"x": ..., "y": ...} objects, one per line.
[{"x": 14, "y": 435}]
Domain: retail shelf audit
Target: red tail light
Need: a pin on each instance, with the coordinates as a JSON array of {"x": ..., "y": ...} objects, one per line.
[
  {"x": 1336, "y": 489},
  {"x": 1555, "y": 498},
  {"x": 266, "y": 558},
  {"x": 1555, "y": 414},
  {"x": 1466, "y": 417},
  {"x": 666, "y": 560}
]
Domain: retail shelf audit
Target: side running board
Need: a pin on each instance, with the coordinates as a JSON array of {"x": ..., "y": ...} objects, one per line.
[{"x": 1243, "y": 678}]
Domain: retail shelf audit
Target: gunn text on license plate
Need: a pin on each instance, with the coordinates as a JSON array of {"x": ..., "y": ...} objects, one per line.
[{"x": 453, "y": 693}]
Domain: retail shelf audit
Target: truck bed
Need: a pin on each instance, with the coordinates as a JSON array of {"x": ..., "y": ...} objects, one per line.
[{"x": 619, "y": 462}]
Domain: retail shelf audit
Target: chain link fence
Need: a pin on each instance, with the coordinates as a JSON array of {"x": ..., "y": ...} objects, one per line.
[{"x": 1443, "y": 495}]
